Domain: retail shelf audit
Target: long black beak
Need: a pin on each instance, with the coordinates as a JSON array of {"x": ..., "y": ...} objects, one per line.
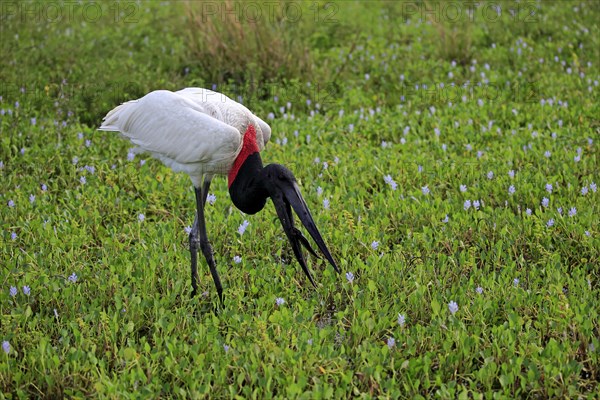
[{"x": 285, "y": 193}]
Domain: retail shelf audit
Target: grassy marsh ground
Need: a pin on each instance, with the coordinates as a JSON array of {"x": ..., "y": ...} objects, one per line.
[{"x": 449, "y": 156}]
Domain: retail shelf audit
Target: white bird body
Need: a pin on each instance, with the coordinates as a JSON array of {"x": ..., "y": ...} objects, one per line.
[{"x": 194, "y": 130}]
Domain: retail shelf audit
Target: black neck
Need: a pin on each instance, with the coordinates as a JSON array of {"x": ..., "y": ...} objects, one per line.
[{"x": 247, "y": 190}]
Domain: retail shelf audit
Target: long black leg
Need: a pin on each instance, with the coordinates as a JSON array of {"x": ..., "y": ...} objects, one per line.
[
  {"x": 194, "y": 243},
  {"x": 195, "y": 239},
  {"x": 205, "y": 188},
  {"x": 198, "y": 237}
]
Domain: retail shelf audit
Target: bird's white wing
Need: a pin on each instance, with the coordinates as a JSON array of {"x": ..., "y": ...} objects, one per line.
[
  {"x": 229, "y": 111},
  {"x": 177, "y": 131}
]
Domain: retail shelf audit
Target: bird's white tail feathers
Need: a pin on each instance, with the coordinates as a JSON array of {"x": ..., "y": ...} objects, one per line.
[{"x": 111, "y": 120}]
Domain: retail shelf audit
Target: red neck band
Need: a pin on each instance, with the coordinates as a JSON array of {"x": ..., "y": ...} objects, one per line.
[{"x": 249, "y": 147}]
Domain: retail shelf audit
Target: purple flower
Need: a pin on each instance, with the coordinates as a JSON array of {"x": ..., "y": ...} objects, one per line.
[
  {"x": 453, "y": 307},
  {"x": 319, "y": 191},
  {"x": 326, "y": 204},
  {"x": 82, "y": 180},
  {"x": 11, "y": 203},
  {"x": 511, "y": 189},
  {"x": 141, "y": 217},
  {"x": 188, "y": 230},
  {"x": 467, "y": 204},
  {"x": 226, "y": 348},
  {"x": 12, "y": 291},
  {"x": 547, "y": 154},
  {"x": 490, "y": 175},
  {"x": 237, "y": 259},
  {"x": 550, "y": 222},
  {"x": 425, "y": 190},
  {"x": 13, "y": 236},
  {"x": 593, "y": 187},
  {"x": 31, "y": 198},
  {"x": 476, "y": 204},
  {"x": 401, "y": 320},
  {"x": 375, "y": 245},
  {"x": 279, "y": 301},
  {"x": 572, "y": 211},
  {"x": 73, "y": 277},
  {"x": 350, "y": 277},
  {"x": 516, "y": 282},
  {"x": 391, "y": 342},
  {"x": 446, "y": 219},
  {"x": 211, "y": 198},
  {"x": 26, "y": 290},
  {"x": 44, "y": 187},
  {"x": 6, "y": 346},
  {"x": 584, "y": 190},
  {"x": 511, "y": 173},
  {"x": 130, "y": 156},
  {"x": 388, "y": 179},
  {"x": 528, "y": 211},
  {"x": 463, "y": 188},
  {"x": 549, "y": 187},
  {"x": 479, "y": 290},
  {"x": 242, "y": 227},
  {"x": 545, "y": 202}
]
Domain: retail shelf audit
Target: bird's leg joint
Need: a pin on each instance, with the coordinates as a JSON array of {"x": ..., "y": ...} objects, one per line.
[{"x": 194, "y": 240}]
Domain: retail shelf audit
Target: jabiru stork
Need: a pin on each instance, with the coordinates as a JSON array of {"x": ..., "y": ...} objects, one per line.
[{"x": 204, "y": 133}]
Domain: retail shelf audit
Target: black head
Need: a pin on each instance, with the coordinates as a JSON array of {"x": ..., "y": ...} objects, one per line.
[{"x": 282, "y": 188}]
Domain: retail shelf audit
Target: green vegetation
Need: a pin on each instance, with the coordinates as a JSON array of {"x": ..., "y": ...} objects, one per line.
[{"x": 467, "y": 215}]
